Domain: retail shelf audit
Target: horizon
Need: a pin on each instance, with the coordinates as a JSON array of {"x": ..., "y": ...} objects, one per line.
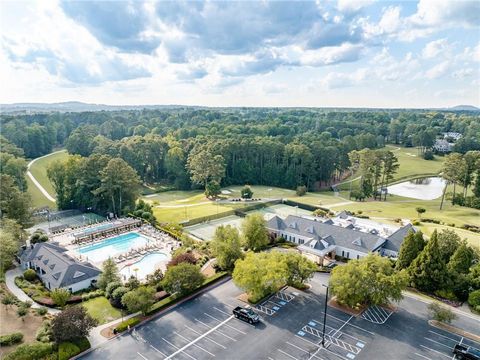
[{"x": 346, "y": 54}]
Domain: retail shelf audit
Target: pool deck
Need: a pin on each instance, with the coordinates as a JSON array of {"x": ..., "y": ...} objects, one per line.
[{"x": 158, "y": 242}]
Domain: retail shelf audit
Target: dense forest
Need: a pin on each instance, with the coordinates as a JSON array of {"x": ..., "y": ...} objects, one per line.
[{"x": 199, "y": 147}]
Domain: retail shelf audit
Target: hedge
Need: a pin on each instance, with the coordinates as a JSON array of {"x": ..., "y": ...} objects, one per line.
[
  {"x": 67, "y": 350},
  {"x": 30, "y": 352},
  {"x": 124, "y": 325},
  {"x": 304, "y": 206},
  {"x": 11, "y": 339},
  {"x": 160, "y": 305}
]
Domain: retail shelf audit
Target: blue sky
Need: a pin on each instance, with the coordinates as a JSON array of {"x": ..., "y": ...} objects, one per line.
[{"x": 268, "y": 53}]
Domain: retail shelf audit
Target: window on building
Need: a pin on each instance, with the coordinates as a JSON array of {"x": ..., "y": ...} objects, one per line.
[{"x": 343, "y": 253}]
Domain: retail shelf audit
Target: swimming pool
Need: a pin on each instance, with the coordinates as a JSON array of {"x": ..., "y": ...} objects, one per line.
[
  {"x": 145, "y": 266},
  {"x": 117, "y": 245}
]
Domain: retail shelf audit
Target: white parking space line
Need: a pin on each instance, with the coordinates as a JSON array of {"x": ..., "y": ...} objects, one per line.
[
  {"x": 218, "y": 331},
  {"x": 285, "y": 353},
  {"x": 223, "y": 312},
  {"x": 197, "y": 346},
  {"x": 176, "y": 352},
  {"x": 446, "y": 337},
  {"x": 206, "y": 337},
  {"x": 355, "y": 326},
  {"x": 423, "y": 357},
  {"x": 231, "y": 327},
  {"x": 333, "y": 353},
  {"x": 435, "y": 351},
  {"x": 341, "y": 327},
  {"x": 305, "y": 351},
  {"x": 143, "y": 357},
  {"x": 154, "y": 348},
  {"x": 439, "y": 343}
]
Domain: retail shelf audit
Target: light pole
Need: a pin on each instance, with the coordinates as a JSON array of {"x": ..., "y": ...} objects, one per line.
[{"x": 324, "y": 315}]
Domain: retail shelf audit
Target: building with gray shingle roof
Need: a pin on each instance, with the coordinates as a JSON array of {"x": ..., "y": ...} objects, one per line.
[
  {"x": 318, "y": 239},
  {"x": 56, "y": 268}
]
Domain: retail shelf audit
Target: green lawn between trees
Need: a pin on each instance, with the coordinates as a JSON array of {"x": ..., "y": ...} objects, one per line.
[{"x": 101, "y": 310}]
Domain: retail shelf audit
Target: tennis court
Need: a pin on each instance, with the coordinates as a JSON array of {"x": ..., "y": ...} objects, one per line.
[
  {"x": 206, "y": 230},
  {"x": 55, "y": 221}
]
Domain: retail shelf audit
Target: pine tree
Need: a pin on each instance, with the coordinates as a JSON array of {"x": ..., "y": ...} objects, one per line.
[
  {"x": 428, "y": 271},
  {"x": 412, "y": 245},
  {"x": 109, "y": 274},
  {"x": 461, "y": 259}
]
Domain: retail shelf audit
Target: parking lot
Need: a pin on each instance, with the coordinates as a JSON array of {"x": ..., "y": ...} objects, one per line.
[{"x": 291, "y": 329}]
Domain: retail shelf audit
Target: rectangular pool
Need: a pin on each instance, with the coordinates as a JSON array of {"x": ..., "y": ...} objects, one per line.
[{"x": 115, "y": 246}]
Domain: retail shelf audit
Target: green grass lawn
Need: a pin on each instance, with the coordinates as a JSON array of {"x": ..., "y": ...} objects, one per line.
[
  {"x": 39, "y": 169},
  {"x": 100, "y": 309},
  {"x": 411, "y": 165},
  {"x": 38, "y": 199}
]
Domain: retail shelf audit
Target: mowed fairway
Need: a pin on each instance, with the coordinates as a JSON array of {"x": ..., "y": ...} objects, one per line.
[
  {"x": 39, "y": 169},
  {"x": 180, "y": 206},
  {"x": 38, "y": 199}
]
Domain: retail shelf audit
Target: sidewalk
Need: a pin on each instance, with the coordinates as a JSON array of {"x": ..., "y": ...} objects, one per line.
[
  {"x": 97, "y": 339},
  {"x": 10, "y": 276}
]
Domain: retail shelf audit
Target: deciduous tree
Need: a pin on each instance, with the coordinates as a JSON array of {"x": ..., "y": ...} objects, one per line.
[
  {"x": 140, "y": 299},
  {"x": 226, "y": 246},
  {"x": 72, "y": 323},
  {"x": 182, "y": 279},
  {"x": 109, "y": 274},
  {"x": 254, "y": 232}
]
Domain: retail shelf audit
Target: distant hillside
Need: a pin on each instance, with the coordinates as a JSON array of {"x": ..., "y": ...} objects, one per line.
[
  {"x": 464, "y": 108},
  {"x": 74, "y": 106}
]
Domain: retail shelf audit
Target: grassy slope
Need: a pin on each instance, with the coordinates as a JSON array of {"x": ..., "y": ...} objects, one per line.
[
  {"x": 38, "y": 199},
  {"x": 99, "y": 308},
  {"x": 39, "y": 170}
]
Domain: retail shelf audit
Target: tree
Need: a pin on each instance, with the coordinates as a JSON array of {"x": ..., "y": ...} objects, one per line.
[
  {"x": 212, "y": 189},
  {"x": 428, "y": 271},
  {"x": 301, "y": 190},
  {"x": 60, "y": 296},
  {"x": 441, "y": 313},
  {"x": 119, "y": 184},
  {"x": 109, "y": 274},
  {"x": 454, "y": 170},
  {"x": 111, "y": 287},
  {"x": 72, "y": 323},
  {"x": 448, "y": 242},
  {"x": 254, "y": 232},
  {"x": 370, "y": 280},
  {"x": 205, "y": 167},
  {"x": 462, "y": 259},
  {"x": 185, "y": 257},
  {"x": 9, "y": 248},
  {"x": 226, "y": 246},
  {"x": 411, "y": 246},
  {"x": 155, "y": 278},
  {"x": 300, "y": 269},
  {"x": 246, "y": 192},
  {"x": 420, "y": 211},
  {"x": 132, "y": 283},
  {"x": 182, "y": 279},
  {"x": 117, "y": 295},
  {"x": 140, "y": 299},
  {"x": 474, "y": 276},
  {"x": 14, "y": 204},
  {"x": 260, "y": 274}
]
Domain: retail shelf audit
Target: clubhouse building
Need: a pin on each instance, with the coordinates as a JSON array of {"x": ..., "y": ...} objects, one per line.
[{"x": 345, "y": 236}]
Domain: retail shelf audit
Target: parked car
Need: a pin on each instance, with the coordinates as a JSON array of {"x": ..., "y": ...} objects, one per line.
[
  {"x": 245, "y": 314},
  {"x": 466, "y": 352}
]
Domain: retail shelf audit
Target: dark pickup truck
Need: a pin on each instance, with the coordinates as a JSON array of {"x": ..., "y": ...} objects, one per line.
[
  {"x": 247, "y": 315},
  {"x": 466, "y": 352}
]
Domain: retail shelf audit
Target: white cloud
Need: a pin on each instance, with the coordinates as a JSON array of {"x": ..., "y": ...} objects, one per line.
[
  {"x": 462, "y": 73},
  {"x": 331, "y": 55},
  {"x": 438, "y": 70},
  {"x": 352, "y": 5},
  {"x": 336, "y": 80},
  {"x": 390, "y": 21},
  {"x": 435, "y": 48}
]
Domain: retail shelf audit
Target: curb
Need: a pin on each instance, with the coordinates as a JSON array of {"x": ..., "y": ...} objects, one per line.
[{"x": 221, "y": 281}]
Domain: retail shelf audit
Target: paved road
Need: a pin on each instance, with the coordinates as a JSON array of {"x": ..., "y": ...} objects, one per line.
[
  {"x": 35, "y": 182},
  {"x": 291, "y": 329}
]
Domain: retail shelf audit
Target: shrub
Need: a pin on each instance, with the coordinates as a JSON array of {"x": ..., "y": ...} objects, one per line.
[
  {"x": 111, "y": 288},
  {"x": 441, "y": 313},
  {"x": 11, "y": 339},
  {"x": 29, "y": 275},
  {"x": 301, "y": 190},
  {"x": 67, "y": 350},
  {"x": 60, "y": 296},
  {"x": 116, "y": 298},
  {"x": 446, "y": 294},
  {"x": 182, "y": 258},
  {"x": 30, "y": 352},
  {"x": 44, "y": 332},
  {"x": 474, "y": 299},
  {"x": 41, "y": 311},
  {"x": 125, "y": 324},
  {"x": 428, "y": 155}
]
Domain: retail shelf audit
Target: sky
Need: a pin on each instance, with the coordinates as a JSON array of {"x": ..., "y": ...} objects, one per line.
[{"x": 341, "y": 53}]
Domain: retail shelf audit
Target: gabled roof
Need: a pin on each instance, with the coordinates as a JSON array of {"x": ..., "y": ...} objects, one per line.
[
  {"x": 395, "y": 240},
  {"x": 331, "y": 234},
  {"x": 60, "y": 269}
]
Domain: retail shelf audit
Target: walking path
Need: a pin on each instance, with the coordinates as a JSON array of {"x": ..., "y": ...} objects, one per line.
[
  {"x": 35, "y": 182},
  {"x": 10, "y": 276},
  {"x": 97, "y": 339}
]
